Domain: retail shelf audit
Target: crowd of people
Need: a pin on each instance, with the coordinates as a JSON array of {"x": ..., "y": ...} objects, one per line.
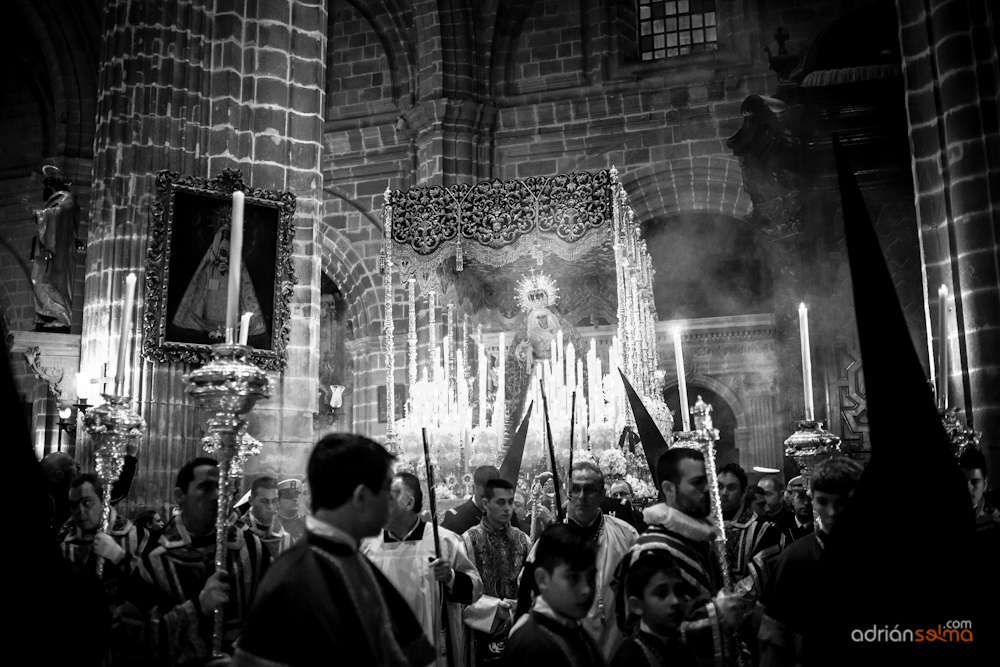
[{"x": 350, "y": 563}]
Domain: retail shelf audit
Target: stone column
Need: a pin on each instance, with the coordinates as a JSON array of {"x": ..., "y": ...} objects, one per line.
[
  {"x": 196, "y": 87},
  {"x": 950, "y": 68}
]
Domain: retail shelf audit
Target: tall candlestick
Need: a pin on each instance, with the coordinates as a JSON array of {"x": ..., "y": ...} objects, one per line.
[
  {"x": 806, "y": 361},
  {"x": 244, "y": 328},
  {"x": 943, "y": 347},
  {"x": 126, "y": 333},
  {"x": 483, "y": 373},
  {"x": 682, "y": 389},
  {"x": 235, "y": 265}
]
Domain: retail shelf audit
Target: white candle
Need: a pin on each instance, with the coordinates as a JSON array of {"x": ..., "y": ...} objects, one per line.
[
  {"x": 806, "y": 361},
  {"x": 126, "y": 332},
  {"x": 481, "y": 363},
  {"x": 943, "y": 347},
  {"x": 682, "y": 389},
  {"x": 502, "y": 368},
  {"x": 235, "y": 264},
  {"x": 244, "y": 328},
  {"x": 446, "y": 345}
]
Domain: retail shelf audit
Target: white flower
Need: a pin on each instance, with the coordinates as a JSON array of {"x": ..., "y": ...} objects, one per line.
[{"x": 612, "y": 463}]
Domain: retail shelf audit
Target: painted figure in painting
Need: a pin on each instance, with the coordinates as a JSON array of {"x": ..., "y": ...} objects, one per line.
[
  {"x": 203, "y": 307},
  {"x": 54, "y": 253}
]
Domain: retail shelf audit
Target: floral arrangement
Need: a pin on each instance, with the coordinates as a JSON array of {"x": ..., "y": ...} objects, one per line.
[
  {"x": 660, "y": 415},
  {"x": 641, "y": 488},
  {"x": 612, "y": 463}
]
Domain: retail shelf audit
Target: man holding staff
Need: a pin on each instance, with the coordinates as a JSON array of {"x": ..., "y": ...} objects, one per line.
[
  {"x": 680, "y": 527},
  {"x": 405, "y": 552},
  {"x": 174, "y": 592}
]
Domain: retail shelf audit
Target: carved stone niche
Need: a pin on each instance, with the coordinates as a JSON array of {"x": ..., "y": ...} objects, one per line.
[{"x": 52, "y": 358}]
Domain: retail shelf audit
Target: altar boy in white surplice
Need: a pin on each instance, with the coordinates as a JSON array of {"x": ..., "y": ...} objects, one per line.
[{"x": 404, "y": 552}]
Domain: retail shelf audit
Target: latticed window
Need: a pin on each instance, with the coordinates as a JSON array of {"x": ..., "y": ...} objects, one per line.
[{"x": 669, "y": 28}]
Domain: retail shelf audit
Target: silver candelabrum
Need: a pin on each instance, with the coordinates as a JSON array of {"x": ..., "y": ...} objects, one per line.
[
  {"x": 228, "y": 387},
  {"x": 112, "y": 426},
  {"x": 810, "y": 445}
]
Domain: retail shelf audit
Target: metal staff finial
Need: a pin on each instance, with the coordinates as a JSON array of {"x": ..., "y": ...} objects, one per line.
[{"x": 112, "y": 427}]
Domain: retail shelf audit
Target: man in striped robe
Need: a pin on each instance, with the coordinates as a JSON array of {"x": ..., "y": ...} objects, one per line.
[
  {"x": 168, "y": 616},
  {"x": 680, "y": 527}
]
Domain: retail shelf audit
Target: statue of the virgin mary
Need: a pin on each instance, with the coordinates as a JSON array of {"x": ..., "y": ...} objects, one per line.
[{"x": 532, "y": 341}]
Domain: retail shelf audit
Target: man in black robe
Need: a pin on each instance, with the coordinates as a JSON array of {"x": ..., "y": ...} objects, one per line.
[
  {"x": 470, "y": 513},
  {"x": 784, "y": 624},
  {"x": 323, "y": 591}
]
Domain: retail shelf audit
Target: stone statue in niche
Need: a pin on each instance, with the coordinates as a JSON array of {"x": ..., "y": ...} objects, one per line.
[{"x": 53, "y": 253}]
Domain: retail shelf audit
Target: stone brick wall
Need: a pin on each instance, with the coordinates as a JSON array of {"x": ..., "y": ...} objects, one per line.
[
  {"x": 549, "y": 51},
  {"x": 359, "y": 81},
  {"x": 196, "y": 88},
  {"x": 950, "y": 58}
]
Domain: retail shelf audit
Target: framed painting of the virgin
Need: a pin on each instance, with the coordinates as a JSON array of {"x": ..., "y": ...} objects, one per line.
[{"x": 187, "y": 264}]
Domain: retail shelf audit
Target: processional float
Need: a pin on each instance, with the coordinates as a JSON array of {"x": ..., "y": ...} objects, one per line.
[{"x": 551, "y": 233}]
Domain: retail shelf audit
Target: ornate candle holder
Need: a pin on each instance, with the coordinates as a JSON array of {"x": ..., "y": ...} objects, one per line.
[
  {"x": 228, "y": 387},
  {"x": 809, "y": 445},
  {"x": 112, "y": 427},
  {"x": 960, "y": 435}
]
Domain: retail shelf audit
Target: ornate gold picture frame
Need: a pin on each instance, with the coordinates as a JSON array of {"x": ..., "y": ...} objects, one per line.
[{"x": 187, "y": 262}]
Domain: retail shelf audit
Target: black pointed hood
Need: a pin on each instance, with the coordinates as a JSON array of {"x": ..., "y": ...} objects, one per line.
[
  {"x": 653, "y": 442},
  {"x": 896, "y": 550},
  {"x": 510, "y": 469}
]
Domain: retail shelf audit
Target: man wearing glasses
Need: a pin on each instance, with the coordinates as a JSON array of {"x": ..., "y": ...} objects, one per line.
[{"x": 614, "y": 538}]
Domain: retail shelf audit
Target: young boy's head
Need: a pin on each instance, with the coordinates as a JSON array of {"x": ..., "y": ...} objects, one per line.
[
  {"x": 566, "y": 570},
  {"x": 656, "y": 593}
]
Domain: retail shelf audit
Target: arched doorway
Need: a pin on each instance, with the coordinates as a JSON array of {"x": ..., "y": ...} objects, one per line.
[{"x": 723, "y": 418}]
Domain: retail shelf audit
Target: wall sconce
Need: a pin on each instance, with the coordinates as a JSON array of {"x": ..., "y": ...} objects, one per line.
[
  {"x": 66, "y": 424},
  {"x": 337, "y": 396}
]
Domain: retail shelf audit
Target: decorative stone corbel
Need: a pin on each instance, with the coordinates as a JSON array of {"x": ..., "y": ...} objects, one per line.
[
  {"x": 51, "y": 375},
  {"x": 53, "y": 358}
]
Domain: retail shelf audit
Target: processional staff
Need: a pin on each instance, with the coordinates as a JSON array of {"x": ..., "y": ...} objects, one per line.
[
  {"x": 560, "y": 513},
  {"x": 432, "y": 496},
  {"x": 228, "y": 387}
]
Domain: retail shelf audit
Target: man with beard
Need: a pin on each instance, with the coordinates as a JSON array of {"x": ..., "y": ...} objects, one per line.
[
  {"x": 679, "y": 526},
  {"x": 498, "y": 550},
  {"x": 168, "y": 616},
  {"x": 784, "y": 622},
  {"x": 323, "y": 602},
  {"x": 260, "y": 520},
  {"x": 435, "y": 588},
  {"x": 613, "y": 536}
]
